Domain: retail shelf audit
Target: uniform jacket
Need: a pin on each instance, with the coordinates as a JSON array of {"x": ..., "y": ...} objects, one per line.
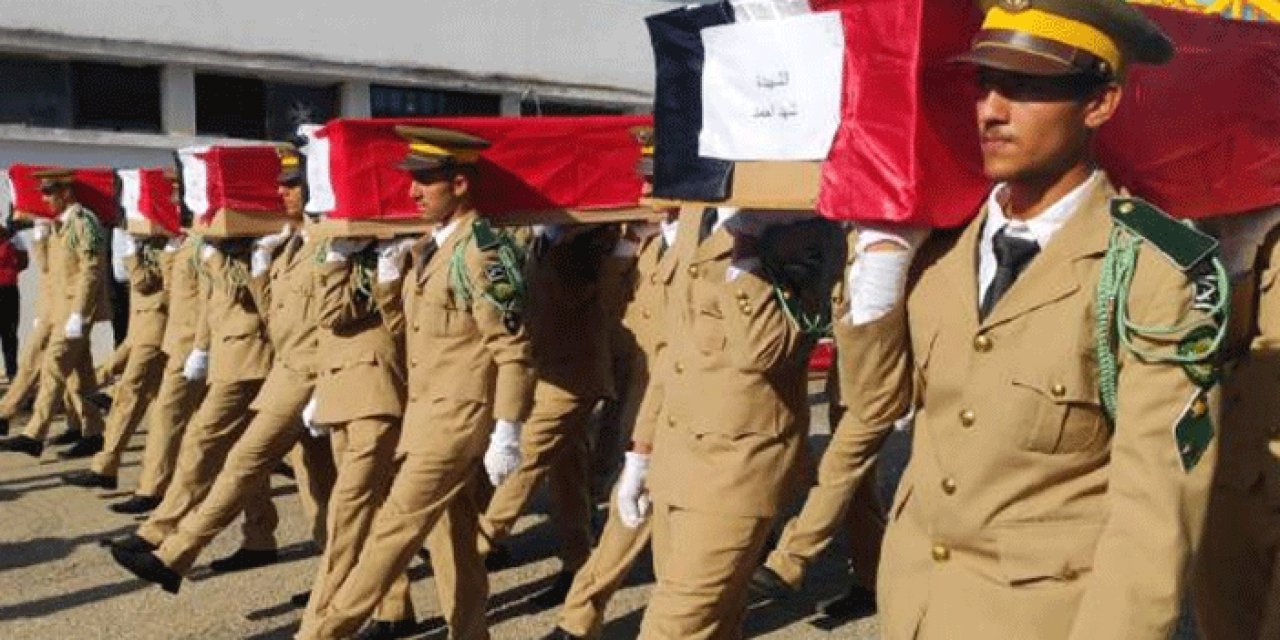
[
  {"x": 645, "y": 309},
  {"x": 735, "y": 411},
  {"x": 360, "y": 366},
  {"x": 231, "y": 328},
  {"x": 462, "y": 352},
  {"x": 182, "y": 282},
  {"x": 1022, "y": 513},
  {"x": 78, "y": 268},
  {"x": 286, "y": 293},
  {"x": 148, "y": 299}
]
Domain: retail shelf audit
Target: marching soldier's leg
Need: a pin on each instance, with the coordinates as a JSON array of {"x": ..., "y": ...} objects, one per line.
[
  {"x": 703, "y": 563},
  {"x": 114, "y": 366},
  {"x": 555, "y": 415},
  {"x": 78, "y": 371},
  {"x": 314, "y": 472},
  {"x": 602, "y": 575},
  {"x": 221, "y": 419},
  {"x": 433, "y": 465},
  {"x": 51, "y": 391},
  {"x": 865, "y": 526},
  {"x": 260, "y": 521},
  {"x": 23, "y": 385},
  {"x": 569, "y": 481},
  {"x": 363, "y": 450},
  {"x": 133, "y": 394},
  {"x": 461, "y": 580},
  {"x": 177, "y": 399},
  {"x": 1234, "y": 565}
]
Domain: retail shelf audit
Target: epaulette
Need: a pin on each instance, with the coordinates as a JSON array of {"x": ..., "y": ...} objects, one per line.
[
  {"x": 486, "y": 237},
  {"x": 1183, "y": 245}
]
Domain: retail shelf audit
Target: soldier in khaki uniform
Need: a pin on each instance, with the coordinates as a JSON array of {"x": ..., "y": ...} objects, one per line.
[
  {"x": 1059, "y": 477},
  {"x": 281, "y": 282},
  {"x": 1235, "y": 587},
  {"x": 359, "y": 400},
  {"x": 570, "y": 336},
  {"x": 77, "y": 256},
  {"x": 728, "y": 335},
  {"x": 23, "y": 386},
  {"x": 178, "y": 397},
  {"x": 144, "y": 361},
  {"x": 470, "y": 382}
]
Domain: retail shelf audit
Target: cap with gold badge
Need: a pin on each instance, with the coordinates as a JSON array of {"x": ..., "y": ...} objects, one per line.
[
  {"x": 1100, "y": 38},
  {"x": 291, "y": 169},
  {"x": 644, "y": 136},
  {"x": 53, "y": 179},
  {"x": 432, "y": 148}
]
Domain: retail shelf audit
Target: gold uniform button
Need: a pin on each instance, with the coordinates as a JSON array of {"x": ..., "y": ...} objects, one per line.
[
  {"x": 746, "y": 309},
  {"x": 1058, "y": 390},
  {"x": 415, "y": 327},
  {"x": 693, "y": 271},
  {"x": 941, "y": 553},
  {"x": 948, "y": 486},
  {"x": 742, "y": 295},
  {"x": 644, "y": 313},
  {"x": 679, "y": 368},
  {"x": 413, "y": 362},
  {"x": 671, "y": 422},
  {"x": 1199, "y": 408},
  {"x": 982, "y": 343},
  {"x": 1126, "y": 207},
  {"x": 967, "y": 418}
]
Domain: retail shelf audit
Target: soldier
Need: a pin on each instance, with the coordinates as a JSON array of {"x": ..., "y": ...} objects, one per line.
[
  {"x": 22, "y": 387},
  {"x": 144, "y": 361},
  {"x": 1060, "y": 354},
  {"x": 829, "y": 503},
  {"x": 178, "y": 397},
  {"x": 1234, "y": 587},
  {"x": 77, "y": 270},
  {"x": 570, "y": 337},
  {"x": 470, "y": 384},
  {"x": 281, "y": 282}
]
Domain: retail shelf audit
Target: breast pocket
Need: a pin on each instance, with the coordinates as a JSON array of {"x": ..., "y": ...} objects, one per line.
[
  {"x": 708, "y": 330},
  {"x": 1062, "y": 411}
]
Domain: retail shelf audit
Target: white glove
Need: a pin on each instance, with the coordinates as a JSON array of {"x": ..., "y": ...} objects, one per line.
[
  {"x": 877, "y": 280},
  {"x": 128, "y": 246},
  {"x": 173, "y": 245},
  {"x": 633, "y": 498},
  {"x": 272, "y": 242},
  {"x": 208, "y": 251},
  {"x": 260, "y": 260},
  {"x": 40, "y": 230},
  {"x": 390, "y": 253},
  {"x": 74, "y": 328},
  {"x": 342, "y": 248},
  {"x": 309, "y": 420},
  {"x": 197, "y": 365},
  {"x": 503, "y": 455}
]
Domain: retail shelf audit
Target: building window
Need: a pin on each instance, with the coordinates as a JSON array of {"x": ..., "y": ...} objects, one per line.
[
  {"x": 115, "y": 97},
  {"x": 254, "y": 109},
  {"x": 36, "y": 92},
  {"x": 400, "y": 102},
  {"x": 534, "y": 106}
]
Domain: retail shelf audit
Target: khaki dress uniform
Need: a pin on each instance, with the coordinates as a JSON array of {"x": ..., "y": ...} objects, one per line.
[
  {"x": 23, "y": 385},
  {"x": 619, "y": 545},
  {"x": 360, "y": 395},
  {"x": 286, "y": 292},
  {"x": 233, "y": 332},
  {"x": 618, "y": 278},
  {"x": 730, "y": 439},
  {"x": 77, "y": 268},
  {"x": 148, "y": 311},
  {"x": 466, "y": 367},
  {"x": 839, "y": 496},
  {"x": 1235, "y": 589},
  {"x": 177, "y": 398},
  {"x": 570, "y": 337},
  {"x": 1023, "y": 513}
]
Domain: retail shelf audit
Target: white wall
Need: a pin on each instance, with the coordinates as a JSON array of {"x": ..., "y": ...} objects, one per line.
[{"x": 589, "y": 42}]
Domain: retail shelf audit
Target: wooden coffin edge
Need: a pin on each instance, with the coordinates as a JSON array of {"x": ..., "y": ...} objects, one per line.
[
  {"x": 577, "y": 216},
  {"x": 230, "y": 223},
  {"x": 146, "y": 228},
  {"x": 765, "y": 185},
  {"x": 380, "y": 228}
]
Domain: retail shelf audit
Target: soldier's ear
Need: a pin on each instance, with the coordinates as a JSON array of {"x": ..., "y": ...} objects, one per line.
[{"x": 1102, "y": 105}]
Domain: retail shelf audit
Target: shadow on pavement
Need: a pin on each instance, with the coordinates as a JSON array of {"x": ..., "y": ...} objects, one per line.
[{"x": 17, "y": 555}]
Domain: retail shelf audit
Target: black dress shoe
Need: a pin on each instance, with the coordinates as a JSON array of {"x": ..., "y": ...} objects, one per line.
[
  {"x": 23, "y": 444},
  {"x": 499, "y": 558},
  {"x": 561, "y": 634},
  {"x": 89, "y": 479},
  {"x": 283, "y": 469},
  {"x": 132, "y": 542},
  {"x": 857, "y": 603},
  {"x": 69, "y": 436},
  {"x": 300, "y": 600},
  {"x": 768, "y": 585},
  {"x": 148, "y": 567},
  {"x": 244, "y": 559},
  {"x": 98, "y": 399},
  {"x": 555, "y": 594},
  {"x": 136, "y": 504},
  {"x": 82, "y": 449},
  {"x": 386, "y": 630}
]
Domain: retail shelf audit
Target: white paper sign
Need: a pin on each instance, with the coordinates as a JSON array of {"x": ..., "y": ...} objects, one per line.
[
  {"x": 748, "y": 10},
  {"x": 195, "y": 180},
  {"x": 131, "y": 193},
  {"x": 320, "y": 197},
  {"x": 771, "y": 88}
]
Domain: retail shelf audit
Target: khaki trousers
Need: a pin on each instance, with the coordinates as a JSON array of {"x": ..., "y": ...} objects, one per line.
[
  {"x": 114, "y": 366},
  {"x": 618, "y": 417},
  {"x": 23, "y": 384},
  {"x": 553, "y": 445},
  {"x": 245, "y": 478},
  {"x": 703, "y": 563},
  {"x": 221, "y": 419},
  {"x": 1234, "y": 588},
  {"x": 314, "y": 473},
  {"x": 66, "y": 373},
  {"x": 175, "y": 402},
  {"x": 441, "y": 444},
  {"x": 363, "y": 451},
  {"x": 602, "y": 575},
  {"x": 133, "y": 394}
]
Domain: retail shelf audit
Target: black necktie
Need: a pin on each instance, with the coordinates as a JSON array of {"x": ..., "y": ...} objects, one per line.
[
  {"x": 662, "y": 245},
  {"x": 1012, "y": 256},
  {"x": 709, "y": 216}
]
